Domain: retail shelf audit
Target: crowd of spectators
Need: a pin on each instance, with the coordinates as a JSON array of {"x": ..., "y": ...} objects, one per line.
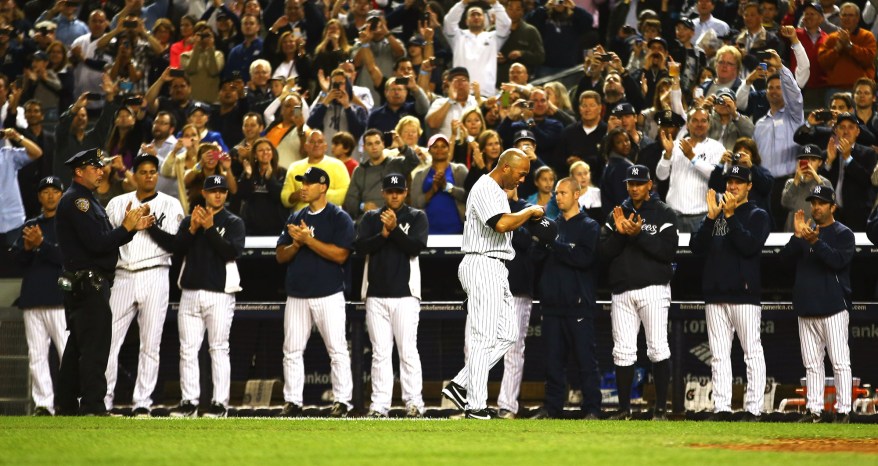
[{"x": 261, "y": 90}]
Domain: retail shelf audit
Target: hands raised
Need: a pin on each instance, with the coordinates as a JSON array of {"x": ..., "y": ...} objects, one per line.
[{"x": 626, "y": 226}]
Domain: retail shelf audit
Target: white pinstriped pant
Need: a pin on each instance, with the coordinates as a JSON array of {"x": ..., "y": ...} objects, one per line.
[
  {"x": 723, "y": 321},
  {"x": 42, "y": 326},
  {"x": 144, "y": 294},
  {"x": 817, "y": 337},
  {"x": 213, "y": 311},
  {"x": 648, "y": 305},
  {"x": 513, "y": 362},
  {"x": 328, "y": 314},
  {"x": 389, "y": 319},
  {"x": 490, "y": 327}
]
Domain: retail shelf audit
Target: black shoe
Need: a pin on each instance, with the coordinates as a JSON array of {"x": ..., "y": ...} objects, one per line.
[
  {"x": 338, "y": 410},
  {"x": 413, "y": 412},
  {"x": 622, "y": 415},
  {"x": 456, "y": 394},
  {"x": 505, "y": 414},
  {"x": 659, "y": 415},
  {"x": 376, "y": 415},
  {"x": 811, "y": 418},
  {"x": 186, "y": 409},
  {"x": 482, "y": 414},
  {"x": 842, "y": 418},
  {"x": 749, "y": 417},
  {"x": 118, "y": 412},
  {"x": 720, "y": 416},
  {"x": 541, "y": 413},
  {"x": 591, "y": 417},
  {"x": 215, "y": 410},
  {"x": 291, "y": 410},
  {"x": 41, "y": 411},
  {"x": 140, "y": 412}
]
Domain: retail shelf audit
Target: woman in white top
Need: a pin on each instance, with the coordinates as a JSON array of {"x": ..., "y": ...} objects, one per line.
[{"x": 590, "y": 199}]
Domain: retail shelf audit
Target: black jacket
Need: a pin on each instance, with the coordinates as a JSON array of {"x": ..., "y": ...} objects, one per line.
[
  {"x": 521, "y": 268},
  {"x": 567, "y": 284},
  {"x": 42, "y": 267},
  {"x": 392, "y": 263},
  {"x": 733, "y": 248},
  {"x": 823, "y": 271},
  {"x": 646, "y": 259}
]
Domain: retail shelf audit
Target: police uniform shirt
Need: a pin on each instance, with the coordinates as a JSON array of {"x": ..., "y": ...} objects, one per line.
[
  {"x": 84, "y": 232},
  {"x": 210, "y": 254},
  {"x": 42, "y": 267},
  {"x": 485, "y": 201},
  {"x": 392, "y": 268},
  {"x": 308, "y": 274}
]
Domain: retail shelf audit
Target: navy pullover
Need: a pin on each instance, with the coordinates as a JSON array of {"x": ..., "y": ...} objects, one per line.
[
  {"x": 823, "y": 271},
  {"x": 567, "y": 284}
]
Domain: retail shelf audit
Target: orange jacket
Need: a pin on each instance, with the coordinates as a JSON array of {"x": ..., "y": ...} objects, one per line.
[{"x": 845, "y": 67}]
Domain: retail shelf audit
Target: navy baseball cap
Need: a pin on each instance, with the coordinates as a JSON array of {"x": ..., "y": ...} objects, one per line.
[
  {"x": 637, "y": 173},
  {"x": 811, "y": 151},
  {"x": 543, "y": 229},
  {"x": 458, "y": 71},
  {"x": 740, "y": 172},
  {"x": 824, "y": 193},
  {"x": 50, "y": 182},
  {"x": 393, "y": 181},
  {"x": 815, "y": 5},
  {"x": 523, "y": 134},
  {"x": 86, "y": 157},
  {"x": 144, "y": 158},
  {"x": 725, "y": 92},
  {"x": 687, "y": 22},
  {"x": 846, "y": 116},
  {"x": 623, "y": 109},
  {"x": 215, "y": 182},
  {"x": 669, "y": 118},
  {"x": 657, "y": 40},
  {"x": 199, "y": 106},
  {"x": 417, "y": 40},
  {"x": 314, "y": 175}
]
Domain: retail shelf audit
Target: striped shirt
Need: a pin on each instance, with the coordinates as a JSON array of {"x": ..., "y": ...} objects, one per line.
[
  {"x": 143, "y": 252},
  {"x": 486, "y": 200},
  {"x": 688, "y": 186}
]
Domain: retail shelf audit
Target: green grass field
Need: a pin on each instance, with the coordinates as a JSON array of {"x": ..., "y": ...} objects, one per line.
[{"x": 92, "y": 441}]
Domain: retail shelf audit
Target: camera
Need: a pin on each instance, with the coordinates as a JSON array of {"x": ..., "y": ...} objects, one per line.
[
  {"x": 93, "y": 96},
  {"x": 130, "y": 23},
  {"x": 823, "y": 115},
  {"x": 736, "y": 157},
  {"x": 177, "y": 73},
  {"x": 625, "y": 29},
  {"x": 336, "y": 85},
  {"x": 204, "y": 35},
  {"x": 526, "y": 105},
  {"x": 606, "y": 58},
  {"x": 404, "y": 81},
  {"x": 388, "y": 138}
]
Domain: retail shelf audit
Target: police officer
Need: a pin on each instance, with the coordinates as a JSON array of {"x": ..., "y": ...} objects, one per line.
[
  {"x": 392, "y": 237},
  {"x": 639, "y": 240},
  {"x": 42, "y": 302},
  {"x": 90, "y": 247}
]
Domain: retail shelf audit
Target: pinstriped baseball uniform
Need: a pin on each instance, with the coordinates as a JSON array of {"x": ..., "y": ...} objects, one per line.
[
  {"x": 141, "y": 289},
  {"x": 315, "y": 295},
  {"x": 490, "y": 324}
]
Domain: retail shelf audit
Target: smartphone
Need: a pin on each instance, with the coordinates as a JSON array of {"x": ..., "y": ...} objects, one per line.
[
  {"x": 425, "y": 16},
  {"x": 528, "y": 105},
  {"x": 297, "y": 111},
  {"x": 130, "y": 23},
  {"x": 628, "y": 30},
  {"x": 177, "y": 73},
  {"x": 803, "y": 164},
  {"x": 133, "y": 100},
  {"x": 823, "y": 115},
  {"x": 93, "y": 96},
  {"x": 404, "y": 81},
  {"x": 762, "y": 55},
  {"x": 763, "y": 66},
  {"x": 698, "y": 93},
  {"x": 606, "y": 58},
  {"x": 504, "y": 99},
  {"x": 336, "y": 85},
  {"x": 373, "y": 24},
  {"x": 388, "y": 138}
]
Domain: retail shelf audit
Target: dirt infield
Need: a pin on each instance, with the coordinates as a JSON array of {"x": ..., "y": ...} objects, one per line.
[{"x": 803, "y": 445}]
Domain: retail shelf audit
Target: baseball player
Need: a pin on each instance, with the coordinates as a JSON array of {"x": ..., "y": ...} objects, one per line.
[
  {"x": 392, "y": 237},
  {"x": 316, "y": 245},
  {"x": 521, "y": 285},
  {"x": 639, "y": 240},
  {"x": 487, "y": 244},
  {"x": 41, "y": 300},
  {"x": 142, "y": 285},
  {"x": 731, "y": 237},
  {"x": 567, "y": 295},
  {"x": 211, "y": 239},
  {"x": 823, "y": 249},
  {"x": 90, "y": 248}
]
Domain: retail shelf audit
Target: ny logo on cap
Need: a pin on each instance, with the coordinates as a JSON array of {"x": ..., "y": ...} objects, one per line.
[
  {"x": 807, "y": 149},
  {"x": 735, "y": 169},
  {"x": 619, "y": 108},
  {"x": 50, "y": 179},
  {"x": 634, "y": 171},
  {"x": 216, "y": 180},
  {"x": 544, "y": 222},
  {"x": 817, "y": 190},
  {"x": 394, "y": 180}
]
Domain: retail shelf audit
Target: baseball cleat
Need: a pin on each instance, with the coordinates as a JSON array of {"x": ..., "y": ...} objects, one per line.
[
  {"x": 720, "y": 416},
  {"x": 338, "y": 410},
  {"x": 140, "y": 412},
  {"x": 456, "y": 394},
  {"x": 413, "y": 412},
  {"x": 811, "y": 418},
  {"x": 750, "y": 417},
  {"x": 622, "y": 415},
  {"x": 659, "y": 415},
  {"x": 290, "y": 410},
  {"x": 842, "y": 418},
  {"x": 591, "y": 417},
  {"x": 186, "y": 409},
  {"x": 41, "y": 411},
  {"x": 485, "y": 414},
  {"x": 215, "y": 410},
  {"x": 376, "y": 415},
  {"x": 541, "y": 413},
  {"x": 505, "y": 414}
]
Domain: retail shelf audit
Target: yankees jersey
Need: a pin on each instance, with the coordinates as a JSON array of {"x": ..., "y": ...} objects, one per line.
[
  {"x": 733, "y": 248},
  {"x": 148, "y": 248},
  {"x": 643, "y": 260},
  {"x": 823, "y": 271},
  {"x": 209, "y": 262},
  {"x": 392, "y": 269},
  {"x": 485, "y": 201},
  {"x": 308, "y": 274}
]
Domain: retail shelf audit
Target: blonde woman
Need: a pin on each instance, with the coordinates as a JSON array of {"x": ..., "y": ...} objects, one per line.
[
  {"x": 465, "y": 131},
  {"x": 590, "y": 199},
  {"x": 409, "y": 130}
]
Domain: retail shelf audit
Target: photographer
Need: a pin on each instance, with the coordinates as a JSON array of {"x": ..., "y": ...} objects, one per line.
[
  {"x": 334, "y": 112},
  {"x": 745, "y": 153},
  {"x": 203, "y": 65},
  {"x": 726, "y": 125},
  {"x": 533, "y": 115},
  {"x": 213, "y": 161},
  {"x": 566, "y": 29},
  {"x": 655, "y": 68},
  {"x": 799, "y": 187},
  {"x": 818, "y": 128}
]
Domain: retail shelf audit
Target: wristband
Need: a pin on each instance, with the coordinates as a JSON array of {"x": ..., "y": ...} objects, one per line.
[
  {"x": 449, "y": 187},
  {"x": 424, "y": 73}
]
